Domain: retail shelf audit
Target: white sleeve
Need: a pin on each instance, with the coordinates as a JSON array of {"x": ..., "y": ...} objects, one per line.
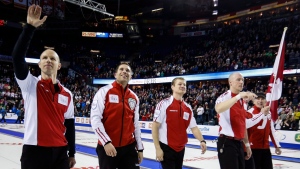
[
  {"x": 273, "y": 136},
  {"x": 219, "y": 100},
  {"x": 137, "y": 130},
  {"x": 26, "y": 84},
  {"x": 97, "y": 109},
  {"x": 193, "y": 123},
  {"x": 160, "y": 112},
  {"x": 255, "y": 119},
  {"x": 69, "y": 114}
]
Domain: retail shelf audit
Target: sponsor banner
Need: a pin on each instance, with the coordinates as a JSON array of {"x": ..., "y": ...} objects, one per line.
[
  {"x": 207, "y": 76},
  {"x": 82, "y": 120},
  {"x": 283, "y": 136},
  {"x": 10, "y": 116},
  {"x": 89, "y": 34},
  {"x": 20, "y": 4}
]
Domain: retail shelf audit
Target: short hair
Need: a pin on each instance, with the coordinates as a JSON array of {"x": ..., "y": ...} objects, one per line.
[
  {"x": 123, "y": 63},
  {"x": 176, "y": 78}
]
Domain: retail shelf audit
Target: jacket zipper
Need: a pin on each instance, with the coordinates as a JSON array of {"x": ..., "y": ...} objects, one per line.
[
  {"x": 122, "y": 116},
  {"x": 180, "y": 111}
]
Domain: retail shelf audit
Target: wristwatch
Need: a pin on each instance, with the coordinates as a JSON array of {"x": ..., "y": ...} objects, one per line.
[{"x": 203, "y": 141}]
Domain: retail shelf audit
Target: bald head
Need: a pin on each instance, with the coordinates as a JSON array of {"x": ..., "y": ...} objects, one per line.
[
  {"x": 232, "y": 76},
  {"x": 50, "y": 52}
]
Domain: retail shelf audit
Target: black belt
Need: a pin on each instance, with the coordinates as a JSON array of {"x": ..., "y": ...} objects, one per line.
[{"x": 232, "y": 138}]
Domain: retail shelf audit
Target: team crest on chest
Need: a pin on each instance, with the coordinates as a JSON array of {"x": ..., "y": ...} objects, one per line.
[{"x": 132, "y": 103}]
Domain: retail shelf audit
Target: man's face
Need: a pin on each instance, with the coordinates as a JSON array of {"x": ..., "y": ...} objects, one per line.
[
  {"x": 49, "y": 62},
  {"x": 236, "y": 82},
  {"x": 123, "y": 74},
  {"x": 259, "y": 102},
  {"x": 179, "y": 87}
]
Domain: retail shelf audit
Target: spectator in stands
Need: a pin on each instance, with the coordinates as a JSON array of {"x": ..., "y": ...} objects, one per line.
[
  {"x": 172, "y": 117},
  {"x": 200, "y": 112},
  {"x": 232, "y": 115},
  {"x": 114, "y": 118},
  {"x": 278, "y": 123},
  {"x": 49, "y": 106}
]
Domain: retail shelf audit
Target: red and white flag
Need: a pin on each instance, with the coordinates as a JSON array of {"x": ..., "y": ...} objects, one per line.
[{"x": 275, "y": 85}]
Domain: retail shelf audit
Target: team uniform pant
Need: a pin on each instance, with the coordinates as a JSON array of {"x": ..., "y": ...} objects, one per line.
[
  {"x": 127, "y": 158},
  {"x": 230, "y": 153},
  {"x": 172, "y": 158},
  {"x": 37, "y": 157},
  {"x": 262, "y": 158},
  {"x": 249, "y": 164}
]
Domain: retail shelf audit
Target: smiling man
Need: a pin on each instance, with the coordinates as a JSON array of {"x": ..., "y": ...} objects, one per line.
[
  {"x": 171, "y": 119},
  {"x": 114, "y": 119},
  {"x": 259, "y": 132}
]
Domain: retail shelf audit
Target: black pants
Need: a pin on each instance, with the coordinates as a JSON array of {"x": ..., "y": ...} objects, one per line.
[
  {"x": 3, "y": 118},
  {"x": 18, "y": 120},
  {"x": 249, "y": 164},
  {"x": 172, "y": 158},
  {"x": 262, "y": 158},
  {"x": 37, "y": 157},
  {"x": 127, "y": 158},
  {"x": 232, "y": 154}
]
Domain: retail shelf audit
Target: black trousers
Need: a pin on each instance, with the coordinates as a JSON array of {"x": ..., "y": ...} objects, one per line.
[
  {"x": 262, "y": 158},
  {"x": 3, "y": 118},
  {"x": 249, "y": 164},
  {"x": 37, "y": 157},
  {"x": 232, "y": 154},
  {"x": 172, "y": 158},
  {"x": 127, "y": 158},
  {"x": 18, "y": 120}
]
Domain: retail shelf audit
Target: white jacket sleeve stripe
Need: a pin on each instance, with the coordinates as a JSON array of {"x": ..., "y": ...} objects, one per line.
[
  {"x": 272, "y": 135},
  {"x": 137, "y": 130},
  {"x": 97, "y": 109}
]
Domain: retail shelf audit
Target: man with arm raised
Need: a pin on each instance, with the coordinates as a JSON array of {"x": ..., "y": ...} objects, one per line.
[{"x": 232, "y": 121}]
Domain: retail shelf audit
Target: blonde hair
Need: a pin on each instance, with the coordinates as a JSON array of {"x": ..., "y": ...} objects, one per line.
[{"x": 176, "y": 78}]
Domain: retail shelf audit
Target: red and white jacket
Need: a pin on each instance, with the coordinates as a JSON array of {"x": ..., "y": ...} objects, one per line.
[
  {"x": 115, "y": 116},
  {"x": 232, "y": 121},
  {"x": 175, "y": 117},
  {"x": 45, "y": 111},
  {"x": 260, "y": 127}
]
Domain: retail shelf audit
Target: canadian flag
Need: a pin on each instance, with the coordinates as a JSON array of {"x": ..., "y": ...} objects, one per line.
[{"x": 275, "y": 85}]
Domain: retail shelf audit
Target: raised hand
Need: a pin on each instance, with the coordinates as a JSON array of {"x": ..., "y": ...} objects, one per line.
[
  {"x": 248, "y": 95},
  {"x": 34, "y": 15}
]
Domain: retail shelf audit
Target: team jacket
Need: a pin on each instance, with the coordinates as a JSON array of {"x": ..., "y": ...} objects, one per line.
[
  {"x": 232, "y": 121},
  {"x": 260, "y": 127},
  {"x": 45, "y": 111},
  {"x": 115, "y": 116},
  {"x": 175, "y": 117}
]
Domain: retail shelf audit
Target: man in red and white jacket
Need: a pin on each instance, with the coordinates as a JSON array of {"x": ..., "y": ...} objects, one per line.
[
  {"x": 171, "y": 119},
  {"x": 114, "y": 119},
  {"x": 259, "y": 132}
]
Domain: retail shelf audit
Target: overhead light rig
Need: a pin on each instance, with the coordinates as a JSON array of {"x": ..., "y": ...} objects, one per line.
[{"x": 92, "y": 5}]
